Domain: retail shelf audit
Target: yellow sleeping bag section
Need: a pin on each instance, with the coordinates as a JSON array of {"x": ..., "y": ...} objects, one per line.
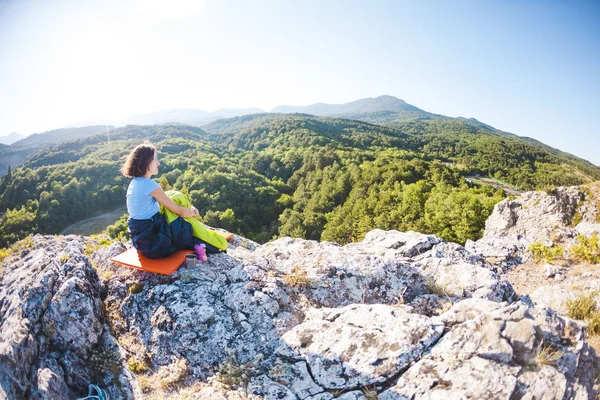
[{"x": 210, "y": 237}]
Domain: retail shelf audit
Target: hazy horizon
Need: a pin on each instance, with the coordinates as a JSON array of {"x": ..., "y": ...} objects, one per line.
[{"x": 529, "y": 68}]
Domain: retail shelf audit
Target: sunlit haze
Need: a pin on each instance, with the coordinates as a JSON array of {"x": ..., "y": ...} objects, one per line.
[{"x": 527, "y": 67}]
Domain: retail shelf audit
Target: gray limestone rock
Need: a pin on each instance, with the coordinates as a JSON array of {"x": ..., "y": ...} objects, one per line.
[
  {"x": 51, "y": 322},
  {"x": 395, "y": 244},
  {"x": 588, "y": 228},
  {"x": 502, "y": 252},
  {"x": 534, "y": 215},
  {"x": 297, "y": 378},
  {"x": 550, "y": 270},
  {"x": 50, "y": 381},
  {"x": 355, "y": 395},
  {"x": 497, "y": 351},
  {"x": 360, "y": 344},
  {"x": 270, "y": 390},
  {"x": 553, "y": 296},
  {"x": 404, "y": 315}
]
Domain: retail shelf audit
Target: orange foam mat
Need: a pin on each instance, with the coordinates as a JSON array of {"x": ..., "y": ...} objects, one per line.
[
  {"x": 165, "y": 266},
  {"x": 227, "y": 236}
]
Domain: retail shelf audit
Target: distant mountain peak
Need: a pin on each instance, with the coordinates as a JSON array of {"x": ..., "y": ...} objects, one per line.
[
  {"x": 367, "y": 105},
  {"x": 184, "y": 116},
  {"x": 11, "y": 138}
]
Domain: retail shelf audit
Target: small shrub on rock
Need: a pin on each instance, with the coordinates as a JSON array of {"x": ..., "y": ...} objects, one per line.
[
  {"x": 5, "y": 253},
  {"x": 594, "y": 324},
  {"x": 545, "y": 355},
  {"x": 138, "y": 366},
  {"x": 576, "y": 219},
  {"x": 298, "y": 278},
  {"x": 582, "y": 307},
  {"x": 542, "y": 253},
  {"x": 170, "y": 374},
  {"x": 232, "y": 374},
  {"x": 370, "y": 392},
  {"x": 587, "y": 249},
  {"x": 136, "y": 288},
  {"x": 102, "y": 240},
  {"x": 435, "y": 287},
  {"x": 105, "y": 359}
]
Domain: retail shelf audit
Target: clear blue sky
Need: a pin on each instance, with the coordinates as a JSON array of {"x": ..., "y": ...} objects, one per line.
[{"x": 527, "y": 67}]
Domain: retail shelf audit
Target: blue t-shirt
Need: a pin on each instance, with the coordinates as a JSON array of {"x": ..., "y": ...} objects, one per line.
[{"x": 140, "y": 205}]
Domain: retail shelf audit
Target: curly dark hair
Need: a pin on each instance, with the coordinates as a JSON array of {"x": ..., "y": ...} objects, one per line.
[{"x": 138, "y": 161}]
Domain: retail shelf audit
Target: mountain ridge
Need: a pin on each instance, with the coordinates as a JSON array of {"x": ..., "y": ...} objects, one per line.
[
  {"x": 187, "y": 116},
  {"x": 369, "y": 104},
  {"x": 11, "y": 138},
  {"x": 382, "y": 110},
  {"x": 267, "y": 175}
]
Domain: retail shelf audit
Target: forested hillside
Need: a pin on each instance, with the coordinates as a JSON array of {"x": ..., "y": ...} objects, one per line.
[
  {"x": 269, "y": 175},
  {"x": 21, "y": 150},
  {"x": 373, "y": 110}
]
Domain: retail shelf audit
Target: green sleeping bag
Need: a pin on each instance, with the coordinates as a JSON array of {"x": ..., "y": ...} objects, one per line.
[{"x": 210, "y": 237}]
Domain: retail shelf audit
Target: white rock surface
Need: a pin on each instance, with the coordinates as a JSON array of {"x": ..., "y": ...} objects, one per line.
[
  {"x": 301, "y": 318},
  {"x": 359, "y": 344}
]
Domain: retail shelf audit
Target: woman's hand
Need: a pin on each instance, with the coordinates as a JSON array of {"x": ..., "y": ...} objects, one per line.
[
  {"x": 163, "y": 199},
  {"x": 188, "y": 212}
]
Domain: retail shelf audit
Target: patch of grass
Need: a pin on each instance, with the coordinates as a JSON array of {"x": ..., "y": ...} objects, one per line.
[
  {"x": 435, "y": 287},
  {"x": 136, "y": 288},
  {"x": 298, "y": 278},
  {"x": 173, "y": 373},
  {"x": 338, "y": 392},
  {"x": 576, "y": 219},
  {"x": 542, "y": 253},
  {"x": 102, "y": 240},
  {"x": 587, "y": 249},
  {"x": 90, "y": 248},
  {"x": 22, "y": 244},
  {"x": 399, "y": 299},
  {"x": 233, "y": 375},
  {"x": 594, "y": 341},
  {"x": 594, "y": 324},
  {"x": 582, "y": 307},
  {"x": 26, "y": 243},
  {"x": 5, "y": 253},
  {"x": 106, "y": 275},
  {"x": 140, "y": 359},
  {"x": 545, "y": 355},
  {"x": 370, "y": 392},
  {"x": 138, "y": 365},
  {"x": 64, "y": 258},
  {"x": 146, "y": 382},
  {"x": 102, "y": 360}
]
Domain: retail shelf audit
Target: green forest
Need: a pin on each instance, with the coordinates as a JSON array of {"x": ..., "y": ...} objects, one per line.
[{"x": 265, "y": 176}]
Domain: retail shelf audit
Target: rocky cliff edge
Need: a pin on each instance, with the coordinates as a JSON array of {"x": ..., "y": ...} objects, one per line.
[{"x": 400, "y": 315}]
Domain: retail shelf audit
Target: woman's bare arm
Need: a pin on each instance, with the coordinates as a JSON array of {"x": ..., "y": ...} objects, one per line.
[{"x": 166, "y": 201}]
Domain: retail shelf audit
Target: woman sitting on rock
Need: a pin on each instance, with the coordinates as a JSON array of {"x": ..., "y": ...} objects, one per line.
[{"x": 162, "y": 222}]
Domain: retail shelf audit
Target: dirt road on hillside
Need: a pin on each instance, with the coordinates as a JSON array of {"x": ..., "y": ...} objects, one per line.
[{"x": 95, "y": 224}]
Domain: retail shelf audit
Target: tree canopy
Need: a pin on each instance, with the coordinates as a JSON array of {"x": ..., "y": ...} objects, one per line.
[{"x": 270, "y": 175}]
